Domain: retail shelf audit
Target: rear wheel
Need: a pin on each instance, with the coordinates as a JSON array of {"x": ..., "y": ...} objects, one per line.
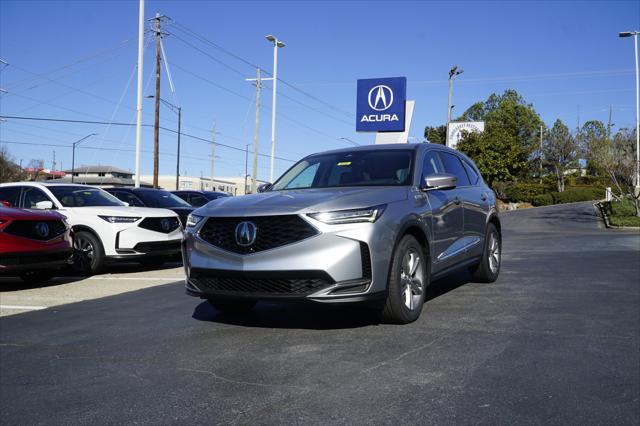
[
  {"x": 233, "y": 306},
  {"x": 36, "y": 277},
  {"x": 408, "y": 280},
  {"x": 488, "y": 269},
  {"x": 88, "y": 254}
]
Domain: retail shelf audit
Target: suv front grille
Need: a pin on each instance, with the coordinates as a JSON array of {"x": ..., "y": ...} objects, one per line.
[
  {"x": 160, "y": 224},
  {"x": 33, "y": 230},
  {"x": 271, "y": 232},
  {"x": 272, "y": 283}
]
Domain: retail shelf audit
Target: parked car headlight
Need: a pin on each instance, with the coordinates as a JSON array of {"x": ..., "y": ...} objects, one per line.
[
  {"x": 120, "y": 219},
  {"x": 193, "y": 220},
  {"x": 370, "y": 214}
]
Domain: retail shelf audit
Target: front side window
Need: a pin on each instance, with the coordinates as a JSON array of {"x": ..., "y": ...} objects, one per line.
[
  {"x": 432, "y": 164},
  {"x": 453, "y": 165},
  {"x": 80, "y": 196},
  {"x": 129, "y": 198},
  {"x": 198, "y": 200},
  {"x": 357, "y": 168},
  {"x": 32, "y": 196}
]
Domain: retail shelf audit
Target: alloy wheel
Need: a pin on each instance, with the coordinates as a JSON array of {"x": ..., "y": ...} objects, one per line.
[
  {"x": 412, "y": 278},
  {"x": 494, "y": 253}
]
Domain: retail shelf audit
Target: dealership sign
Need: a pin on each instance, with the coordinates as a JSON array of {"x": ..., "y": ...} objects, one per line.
[
  {"x": 456, "y": 131},
  {"x": 380, "y": 104}
]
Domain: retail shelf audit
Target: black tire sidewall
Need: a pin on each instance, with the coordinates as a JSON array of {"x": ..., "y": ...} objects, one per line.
[
  {"x": 395, "y": 285},
  {"x": 98, "y": 253}
]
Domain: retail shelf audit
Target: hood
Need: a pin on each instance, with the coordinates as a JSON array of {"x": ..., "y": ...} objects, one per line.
[
  {"x": 120, "y": 211},
  {"x": 302, "y": 201},
  {"x": 19, "y": 214}
]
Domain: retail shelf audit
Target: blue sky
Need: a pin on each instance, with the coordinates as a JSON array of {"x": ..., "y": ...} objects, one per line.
[{"x": 560, "y": 56}]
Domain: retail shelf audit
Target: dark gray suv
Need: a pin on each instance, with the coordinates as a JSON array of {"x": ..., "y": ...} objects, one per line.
[{"x": 370, "y": 224}]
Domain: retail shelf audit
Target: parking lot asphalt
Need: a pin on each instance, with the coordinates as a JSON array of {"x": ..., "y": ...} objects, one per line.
[{"x": 555, "y": 340}]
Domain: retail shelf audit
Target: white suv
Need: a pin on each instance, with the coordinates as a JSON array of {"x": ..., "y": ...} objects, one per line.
[{"x": 104, "y": 228}]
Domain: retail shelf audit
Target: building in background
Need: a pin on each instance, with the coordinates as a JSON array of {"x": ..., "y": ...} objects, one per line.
[
  {"x": 230, "y": 185},
  {"x": 101, "y": 176},
  {"x": 40, "y": 173}
]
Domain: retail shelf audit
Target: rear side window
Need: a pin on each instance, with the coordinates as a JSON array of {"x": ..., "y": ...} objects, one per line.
[
  {"x": 197, "y": 200},
  {"x": 10, "y": 195},
  {"x": 453, "y": 165},
  {"x": 473, "y": 175}
]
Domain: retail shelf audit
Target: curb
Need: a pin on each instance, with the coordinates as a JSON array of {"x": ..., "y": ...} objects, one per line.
[{"x": 598, "y": 205}]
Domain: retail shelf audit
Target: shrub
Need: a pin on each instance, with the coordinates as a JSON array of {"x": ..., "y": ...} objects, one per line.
[
  {"x": 576, "y": 194},
  {"x": 622, "y": 208},
  {"x": 500, "y": 188},
  {"x": 525, "y": 191},
  {"x": 542, "y": 200}
]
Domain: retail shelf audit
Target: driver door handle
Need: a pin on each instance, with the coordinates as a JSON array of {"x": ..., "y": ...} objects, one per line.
[
  {"x": 457, "y": 200},
  {"x": 483, "y": 197}
]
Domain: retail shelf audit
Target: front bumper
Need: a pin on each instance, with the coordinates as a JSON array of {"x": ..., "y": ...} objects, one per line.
[
  {"x": 38, "y": 260},
  {"x": 339, "y": 264}
]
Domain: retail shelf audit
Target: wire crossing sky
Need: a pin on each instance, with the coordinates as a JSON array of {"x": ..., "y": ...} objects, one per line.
[{"x": 74, "y": 61}]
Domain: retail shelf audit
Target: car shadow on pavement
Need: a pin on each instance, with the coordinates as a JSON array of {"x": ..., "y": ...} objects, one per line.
[
  {"x": 9, "y": 283},
  {"x": 316, "y": 316}
]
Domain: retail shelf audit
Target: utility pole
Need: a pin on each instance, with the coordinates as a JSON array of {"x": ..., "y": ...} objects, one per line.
[
  {"x": 213, "y": 154},
  {"x": 178, "y": 154},
  {"x": 541, "y": 133},
  {"x": 453, "y": 72},
  {"x": 246, "y": 165},
  {"x": 256, "y": 132},
  {"x": 156, "y": 127},
  {"x": 609, "y": 124},
  {"x": 139, "y": 102}
]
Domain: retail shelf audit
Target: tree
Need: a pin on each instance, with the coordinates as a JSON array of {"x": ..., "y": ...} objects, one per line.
[
  {"x": 9, "y": 170},
  {"x": 591, "y": 136},
  {"x": 560, "y": 150},
  {"x": 511, "y": 132},
  {"x": 436, "y": 134},
  {"x": 617, "y": 158},
  {"x": 497, "y": 154}
]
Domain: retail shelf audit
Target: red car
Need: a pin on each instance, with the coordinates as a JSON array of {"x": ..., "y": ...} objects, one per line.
[{"x": 33, "y": 245}]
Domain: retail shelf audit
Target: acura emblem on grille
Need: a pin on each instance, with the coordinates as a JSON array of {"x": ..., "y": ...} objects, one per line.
[
  {"x": 246, "y": 233},
  {"x": 42, "y": 229},
  {"x": 165, "y": 224}
]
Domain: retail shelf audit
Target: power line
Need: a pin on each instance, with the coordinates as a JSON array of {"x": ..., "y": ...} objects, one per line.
[{"x": 115, "y": 123}]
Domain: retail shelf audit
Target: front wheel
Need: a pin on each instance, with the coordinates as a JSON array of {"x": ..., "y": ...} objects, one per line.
[
  {"x": 408, "y": 280},
  {"x": 88, "y": 254},
  {"x": 488, "y": 269}
]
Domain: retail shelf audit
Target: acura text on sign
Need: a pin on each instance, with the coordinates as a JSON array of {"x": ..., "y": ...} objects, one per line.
[{"x": 381, "y": 104}]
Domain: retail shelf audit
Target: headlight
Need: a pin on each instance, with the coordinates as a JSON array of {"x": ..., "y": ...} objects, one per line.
[
  {"x": 119, "y": 219},
  {"x": 370, "y": 214},
  {"x": 193, "y": 220}
]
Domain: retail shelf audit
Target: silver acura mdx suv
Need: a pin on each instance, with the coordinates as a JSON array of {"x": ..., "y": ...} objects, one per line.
[{"x": 370, "y": 224}]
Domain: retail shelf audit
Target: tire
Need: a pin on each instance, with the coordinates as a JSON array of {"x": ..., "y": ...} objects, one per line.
[
  {"x": 36, "y": 277},
  {"x": 488, "y": 269},
  {"x": 88, "y": 254},
  {"x": 152, "y": 262},
  {"x": 232, "y": 306},
  {"x": 408, "y": 280}
]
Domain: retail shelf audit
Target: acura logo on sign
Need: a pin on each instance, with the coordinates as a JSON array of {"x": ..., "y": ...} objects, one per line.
[
  {"x": 380, "y": 97},
  {"x": 246, "y": 233},
  {"x": 42, "y": 229}
]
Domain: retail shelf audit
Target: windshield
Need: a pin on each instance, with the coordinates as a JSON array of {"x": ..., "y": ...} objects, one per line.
[
  {"x": 163, "y": 199},
  {"x": 80, "y": 196},
  {"x": 357, "y": 168}
]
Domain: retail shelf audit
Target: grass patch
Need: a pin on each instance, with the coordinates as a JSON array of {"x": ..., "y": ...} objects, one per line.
[{"x": 622, "y": 213}]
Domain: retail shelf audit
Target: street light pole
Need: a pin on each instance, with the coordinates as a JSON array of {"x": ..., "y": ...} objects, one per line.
[
  {"x": 635, "y": 42},
  {"x": 454, "y": 71},
  {"x": 276, "y": 44},
  {"x": 73, "y": 153}
]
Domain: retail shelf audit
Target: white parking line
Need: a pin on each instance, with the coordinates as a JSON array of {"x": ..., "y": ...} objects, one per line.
[{"x": 22, "y": 308}]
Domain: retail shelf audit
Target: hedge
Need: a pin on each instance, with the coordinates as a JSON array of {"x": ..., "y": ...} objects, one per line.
[
  {"x": 571, "y": 195},
  {"x": 525, "y": 192}
]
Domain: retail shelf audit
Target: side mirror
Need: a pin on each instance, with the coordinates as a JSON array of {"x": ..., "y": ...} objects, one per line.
[
  {"x": 264, "y": 187},
  {"x": 44, "y": 205},
  {"x": 440, "y": 181}
]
